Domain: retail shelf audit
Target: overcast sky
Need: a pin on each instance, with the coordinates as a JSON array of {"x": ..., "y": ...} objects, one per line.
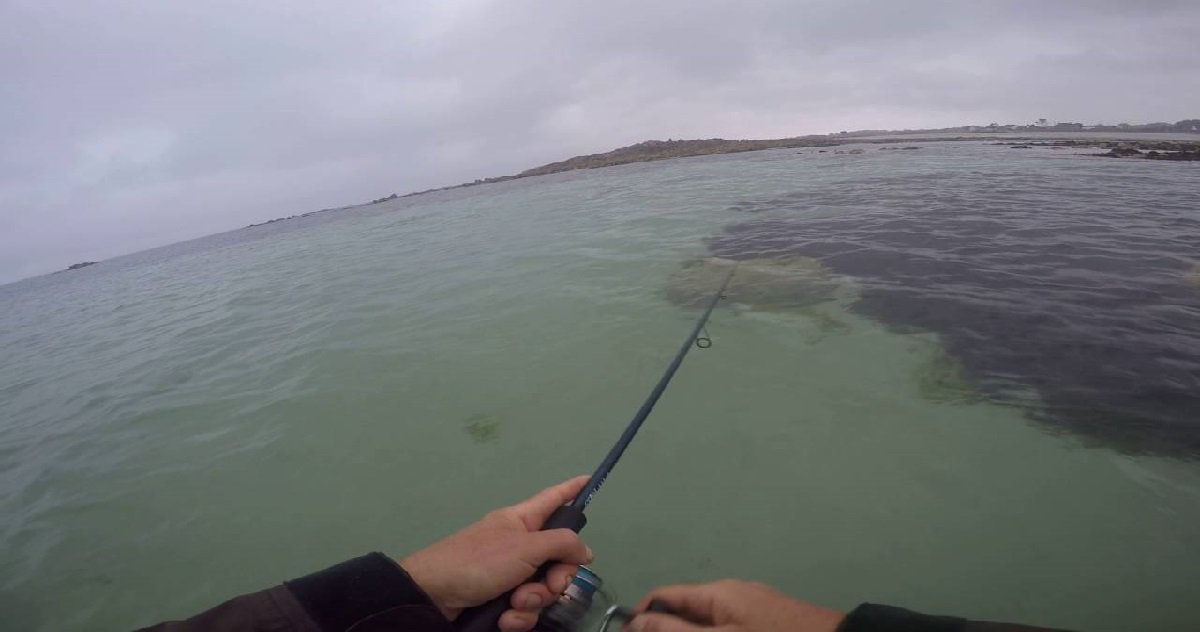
[{"x": 131, "y": 124}]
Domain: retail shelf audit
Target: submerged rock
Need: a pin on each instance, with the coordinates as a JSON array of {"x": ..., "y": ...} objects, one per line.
[
  {"x": 941, "y": 378},
  {"x": 773, "y": 283},
  {"x": 824, "y": 323}
]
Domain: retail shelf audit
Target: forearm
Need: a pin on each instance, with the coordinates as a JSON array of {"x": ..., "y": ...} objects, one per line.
[
  {"x": 876, "y": 618},
  {"x": 371, "y": 592}
]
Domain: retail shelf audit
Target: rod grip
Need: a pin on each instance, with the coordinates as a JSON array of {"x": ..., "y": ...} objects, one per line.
[{"x": 486, "y": 618}]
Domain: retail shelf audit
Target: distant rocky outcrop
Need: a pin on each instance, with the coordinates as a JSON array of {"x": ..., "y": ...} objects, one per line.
[
  {"x": 1155, "y": 150},
  {"x": 81, "y": 264},
  {"x": 1123, "y": 152},
  {"x": 1146, "y": 149},
  {"x": 651, "y": 150},
  {"x": 272, "y": 221},
  {"x": 1186, "y": 126},
  {"x": 1174, "y": 155}
]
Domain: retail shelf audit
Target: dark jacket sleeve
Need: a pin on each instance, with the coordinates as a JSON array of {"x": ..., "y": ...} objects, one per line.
[
  {"x": 871, "y": 617},
  {"x": 366, "y": 594}
]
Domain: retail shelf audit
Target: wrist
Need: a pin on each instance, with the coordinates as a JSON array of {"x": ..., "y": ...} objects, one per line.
[
  {"x": 426, "y": 580},
  {"x": 833, "y": 621},
  {"x": 357, "y": 589}
]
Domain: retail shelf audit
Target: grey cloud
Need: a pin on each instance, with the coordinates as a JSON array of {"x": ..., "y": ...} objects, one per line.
[{"x": 135, "y": 123}]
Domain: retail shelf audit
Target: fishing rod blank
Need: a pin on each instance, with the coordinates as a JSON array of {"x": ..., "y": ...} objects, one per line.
[
  {"x": 484, "y": 618},
  {"x": 614, "y": 454}
]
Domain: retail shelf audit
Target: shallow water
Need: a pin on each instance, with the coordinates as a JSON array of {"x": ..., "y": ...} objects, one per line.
[{"x": 183, "y": 424}]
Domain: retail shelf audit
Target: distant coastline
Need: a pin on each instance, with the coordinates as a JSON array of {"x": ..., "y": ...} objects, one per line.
[
  {"x": 653, "y": 150},
  {"x": 1055, "y": 136}
]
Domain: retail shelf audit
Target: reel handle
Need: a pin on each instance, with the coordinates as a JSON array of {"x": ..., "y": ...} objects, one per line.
[
  {"x": 621, "y": 613},
  {"x": 486, "y": 618}
]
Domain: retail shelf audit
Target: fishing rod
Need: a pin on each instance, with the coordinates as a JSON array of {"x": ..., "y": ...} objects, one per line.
[{"x": 570, "y": 516}]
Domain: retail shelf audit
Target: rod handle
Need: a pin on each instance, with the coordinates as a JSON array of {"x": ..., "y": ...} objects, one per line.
[{"x": 486, "y": 618}]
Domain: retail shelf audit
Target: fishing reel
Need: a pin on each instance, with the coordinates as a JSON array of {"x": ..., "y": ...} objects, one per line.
[
  {"x": 574, "y": 608},
  {"x": 571, "y": 609}
]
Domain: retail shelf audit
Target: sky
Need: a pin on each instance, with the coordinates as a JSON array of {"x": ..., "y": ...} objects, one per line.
[{"x": 126, "y": 124}]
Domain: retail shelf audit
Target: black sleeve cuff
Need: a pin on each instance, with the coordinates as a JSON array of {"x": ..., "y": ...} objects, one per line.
[
  {"x": 870, "y": 617},
  {"x": 342, "y": 595}
]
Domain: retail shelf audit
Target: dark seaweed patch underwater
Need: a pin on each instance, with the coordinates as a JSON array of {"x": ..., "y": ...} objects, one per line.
[{"x": 1080, "y": 289}]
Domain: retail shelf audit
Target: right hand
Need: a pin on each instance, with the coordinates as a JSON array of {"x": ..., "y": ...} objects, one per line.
[
  {"x": 499, "y": 553},
  {"x": 734, "y": 606}
]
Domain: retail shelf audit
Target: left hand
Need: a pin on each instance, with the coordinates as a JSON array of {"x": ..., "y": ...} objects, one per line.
[
  {"x": 496, "y": 554},
  {"x": 732, "y": 606}
]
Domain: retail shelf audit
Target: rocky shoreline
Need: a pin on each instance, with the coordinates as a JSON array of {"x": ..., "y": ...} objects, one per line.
[
  {"x": 654, "y": 150},
  {"x": 1179, "y": 151}
]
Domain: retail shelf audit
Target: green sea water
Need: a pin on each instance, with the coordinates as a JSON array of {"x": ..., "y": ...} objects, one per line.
[{"x": 185, "y": 424}]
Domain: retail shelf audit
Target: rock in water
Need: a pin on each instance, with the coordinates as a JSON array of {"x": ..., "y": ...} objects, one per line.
[
  {"x": 783, "y": 283},
  {"x": 1122, "y": 152},
  {"x": 941, "y": 378}
]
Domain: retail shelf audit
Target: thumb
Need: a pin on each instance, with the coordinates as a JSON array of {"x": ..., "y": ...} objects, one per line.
[
  {"x": 562, "y": 545},
  {"x": 651, "y": 622}
]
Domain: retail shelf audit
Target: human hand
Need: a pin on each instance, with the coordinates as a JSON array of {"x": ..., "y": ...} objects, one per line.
[
  {"x": 733, "y": 606},
  {"x": 488, "y": 558}
]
